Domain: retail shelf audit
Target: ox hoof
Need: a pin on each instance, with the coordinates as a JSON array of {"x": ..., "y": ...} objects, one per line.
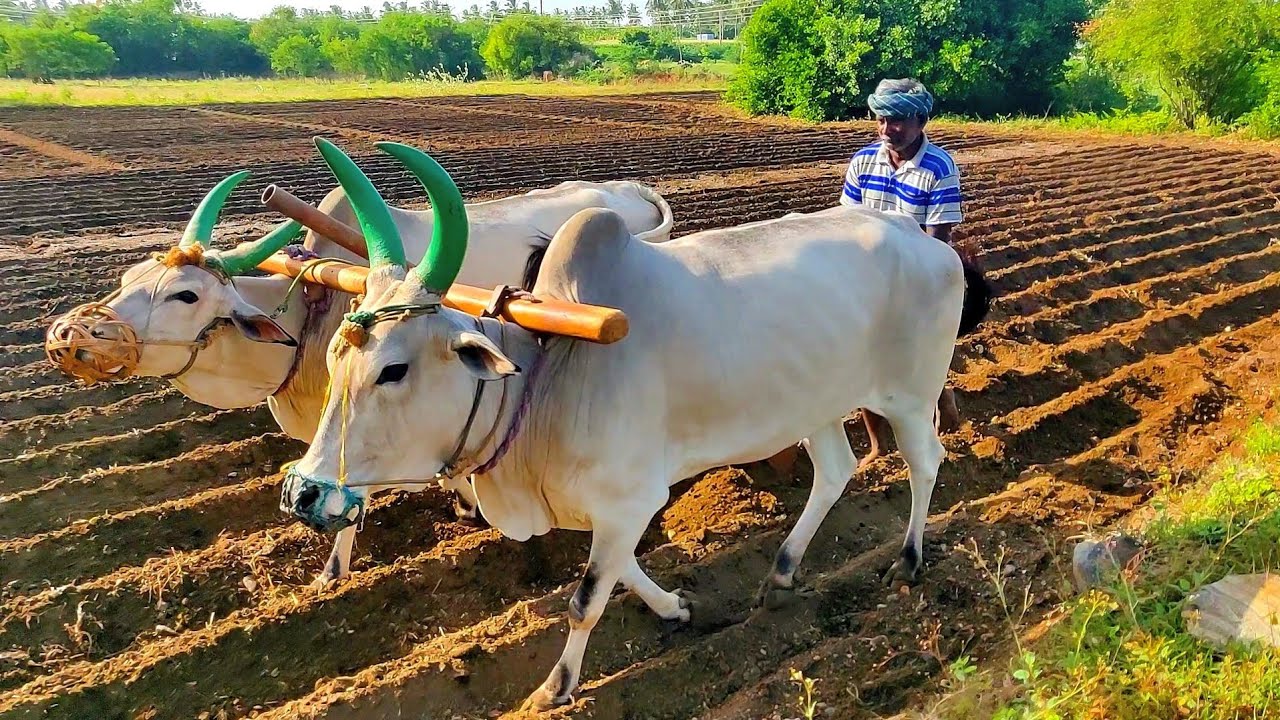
[
  {"x": 543, "y": 700},
  {"x": 471, "y": 517},
  {"x": 324, "y": 582},
  {"x": 773, "y": 596},
  {"x": 900, "y": 573}
]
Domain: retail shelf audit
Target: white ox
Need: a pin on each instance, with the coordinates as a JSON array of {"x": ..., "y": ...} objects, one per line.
[
  {"x": 176, "y": 302},
  {"x": 742, "y": 341}
]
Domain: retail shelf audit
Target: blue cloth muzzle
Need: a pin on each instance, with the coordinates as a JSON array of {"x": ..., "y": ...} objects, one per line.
[{"x": 305, "y": 499}]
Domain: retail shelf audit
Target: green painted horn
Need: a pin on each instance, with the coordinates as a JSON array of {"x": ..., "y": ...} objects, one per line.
[
  {"x": 448, "y": 246},
  {"x": 200, "y": 227},
  {"x": 380, "y": 233},
  {"x": 240, "y": 260}
]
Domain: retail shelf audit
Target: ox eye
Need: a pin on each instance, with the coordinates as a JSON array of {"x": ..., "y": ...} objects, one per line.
[
  {"x": 392, "y": 373},
  {"x": 185, "y": 296}
]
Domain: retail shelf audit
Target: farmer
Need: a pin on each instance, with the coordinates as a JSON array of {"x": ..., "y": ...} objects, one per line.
[
  {"x": 904, "y": 171},
  {"x": 907, "y": 173}
]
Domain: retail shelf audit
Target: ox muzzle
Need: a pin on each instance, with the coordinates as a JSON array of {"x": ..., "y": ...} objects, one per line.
[
  {"x": 92, "y": 343},
  {"x": 310, "y": 500}
]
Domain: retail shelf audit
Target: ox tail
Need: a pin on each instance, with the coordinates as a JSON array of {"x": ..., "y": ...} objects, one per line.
[
  {"x": 533, "y": 263},
  {"x": 977, "y": 292},
  {"x": 662, "y": 232}
]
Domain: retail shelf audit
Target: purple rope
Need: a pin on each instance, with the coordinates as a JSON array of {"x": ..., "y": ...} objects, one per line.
[
  {"x": 526, "y": 400},
  {"x": 320, "y": 301}
]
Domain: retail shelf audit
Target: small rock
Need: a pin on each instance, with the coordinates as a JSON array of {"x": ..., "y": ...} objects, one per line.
[
  {"x": 1094, "y": 561},
  {"x": 1243, "y": 608},
  {"x": 249, "y": 583}
]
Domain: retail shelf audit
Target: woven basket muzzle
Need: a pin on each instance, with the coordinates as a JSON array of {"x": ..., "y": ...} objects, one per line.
[{"x": 94, "y": 344}]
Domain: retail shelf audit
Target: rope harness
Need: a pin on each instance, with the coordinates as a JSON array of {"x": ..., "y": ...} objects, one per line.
[
  {"x": 354, "y": 332},
  {"x": 92, "y": 343}
]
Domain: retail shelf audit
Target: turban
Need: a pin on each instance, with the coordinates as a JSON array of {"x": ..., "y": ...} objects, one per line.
[{"x": 897, "y": 99}]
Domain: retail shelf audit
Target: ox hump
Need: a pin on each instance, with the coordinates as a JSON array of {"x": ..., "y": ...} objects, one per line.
[{"x": 587, "y": 245}]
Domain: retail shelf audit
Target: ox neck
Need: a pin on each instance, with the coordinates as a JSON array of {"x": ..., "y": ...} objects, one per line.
[
  {"x": 500, "y": 404},
  {"x": 236, "y": 372}
]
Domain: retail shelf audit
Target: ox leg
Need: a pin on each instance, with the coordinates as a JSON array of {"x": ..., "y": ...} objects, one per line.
[
  {"x": 338, "y": 565},
  {"x": 667, "y": 605},
  {"x": 918, "y": 442},
  {"x": 875, "y": 431},
  {"x": 613, "y": 548},
  {"x": 833, "y": 465},
  {"x": 465, "y": 505}
]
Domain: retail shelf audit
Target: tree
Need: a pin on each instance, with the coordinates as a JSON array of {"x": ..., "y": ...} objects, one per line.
[
  {"x": 145, "y": 34},
  {"x": 521, "y": 45},
  {"x": 218, "y": 45},
  {"x": 57, "y": 52},
  {"x": 1198, "y": 57},
  {"x": 298, "y": 56}
]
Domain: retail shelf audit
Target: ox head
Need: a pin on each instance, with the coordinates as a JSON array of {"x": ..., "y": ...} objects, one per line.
[
  {"x": 168, "y": 306},
  {"x": 403, "y": 368}
]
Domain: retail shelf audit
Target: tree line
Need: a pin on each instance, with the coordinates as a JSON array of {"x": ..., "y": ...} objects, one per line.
[
  {"x": 1200, "y": 63},
  {"x": 170, "y": 38}
]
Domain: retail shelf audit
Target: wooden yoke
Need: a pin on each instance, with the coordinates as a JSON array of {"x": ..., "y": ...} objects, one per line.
[{"x": 556, "y": 317}]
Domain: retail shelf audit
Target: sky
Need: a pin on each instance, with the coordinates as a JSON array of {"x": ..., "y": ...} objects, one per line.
[{"x": 258, "y": 8}]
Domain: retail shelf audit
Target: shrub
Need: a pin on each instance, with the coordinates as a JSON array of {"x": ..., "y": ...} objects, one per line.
[
  {"x": 817, "y": 59},
  {"x": 1199, "y": 56},
  {"x": 57, "y": 52},
  {"x": 298, "y": 56},
  {"x": 1264, "y": 119},
  {"x": 524, "y": 44}
]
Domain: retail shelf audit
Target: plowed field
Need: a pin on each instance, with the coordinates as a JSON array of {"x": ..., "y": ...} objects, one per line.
[{"x": 145, "y": 571}]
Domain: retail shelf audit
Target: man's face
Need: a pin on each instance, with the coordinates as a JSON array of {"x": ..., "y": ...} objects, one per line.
[{"x": 899, "y": 134}]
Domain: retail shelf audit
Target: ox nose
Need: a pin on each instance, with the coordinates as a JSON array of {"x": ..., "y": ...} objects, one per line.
[{"x": 307, "y": 499}]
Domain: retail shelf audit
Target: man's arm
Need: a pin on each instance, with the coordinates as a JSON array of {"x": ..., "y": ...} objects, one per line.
[
  {"x": 942, "y": 232},
  {"x": 944, "y": 208}
]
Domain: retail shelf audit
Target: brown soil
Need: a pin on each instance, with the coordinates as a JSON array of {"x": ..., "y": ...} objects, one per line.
[{"x": 147, "y": 573}]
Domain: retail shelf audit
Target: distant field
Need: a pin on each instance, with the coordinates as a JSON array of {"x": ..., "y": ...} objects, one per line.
[{"x": 242, "y": 90}]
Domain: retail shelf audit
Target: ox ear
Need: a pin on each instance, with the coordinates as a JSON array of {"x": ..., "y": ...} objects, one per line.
[
  {"x": 481, "y": 357},
  {"x": 256, "y": 326}
]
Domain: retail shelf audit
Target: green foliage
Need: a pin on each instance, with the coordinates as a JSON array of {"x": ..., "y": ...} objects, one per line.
[
  {"x": 1263, "y": 120},
  {"x": 522, "y": 44},
  {"x": 1123, "y": 652},
  {"x": 1200, "y": 57},
  {"x": 1087, "y": 87},
  {"x": 218, "y": 45},
  {"x": 299, "y": 56},
  {"x": 402, "y": 44},
  {"x": 145, "y": 34},
  {"x": 818, "y": 59},
  {"x": 784, "y": 65},
  {"x": 56, "y": 52}
]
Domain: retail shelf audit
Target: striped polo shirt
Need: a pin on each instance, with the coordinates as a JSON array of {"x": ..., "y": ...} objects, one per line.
[{"x": 926, "y": 187}]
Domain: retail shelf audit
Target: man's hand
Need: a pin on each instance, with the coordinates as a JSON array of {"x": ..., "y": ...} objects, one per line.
[{"x": 941, "y": 232}]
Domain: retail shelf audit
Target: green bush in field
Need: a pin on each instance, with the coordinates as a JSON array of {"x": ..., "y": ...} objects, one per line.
[
  {"x": 1199, "y": 56},
  {"x": 298, "y": 56},
  {"x": 56, "y": 52},
  {"x": 402, "y": 44},
  {"x": 818, "y": 59},
  {"x": 523, "y": 44}
]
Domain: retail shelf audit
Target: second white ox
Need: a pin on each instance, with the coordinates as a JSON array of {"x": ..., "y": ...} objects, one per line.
[
  {"x": 278, "y": 353},
  {"x": 742, "y": 341}
]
